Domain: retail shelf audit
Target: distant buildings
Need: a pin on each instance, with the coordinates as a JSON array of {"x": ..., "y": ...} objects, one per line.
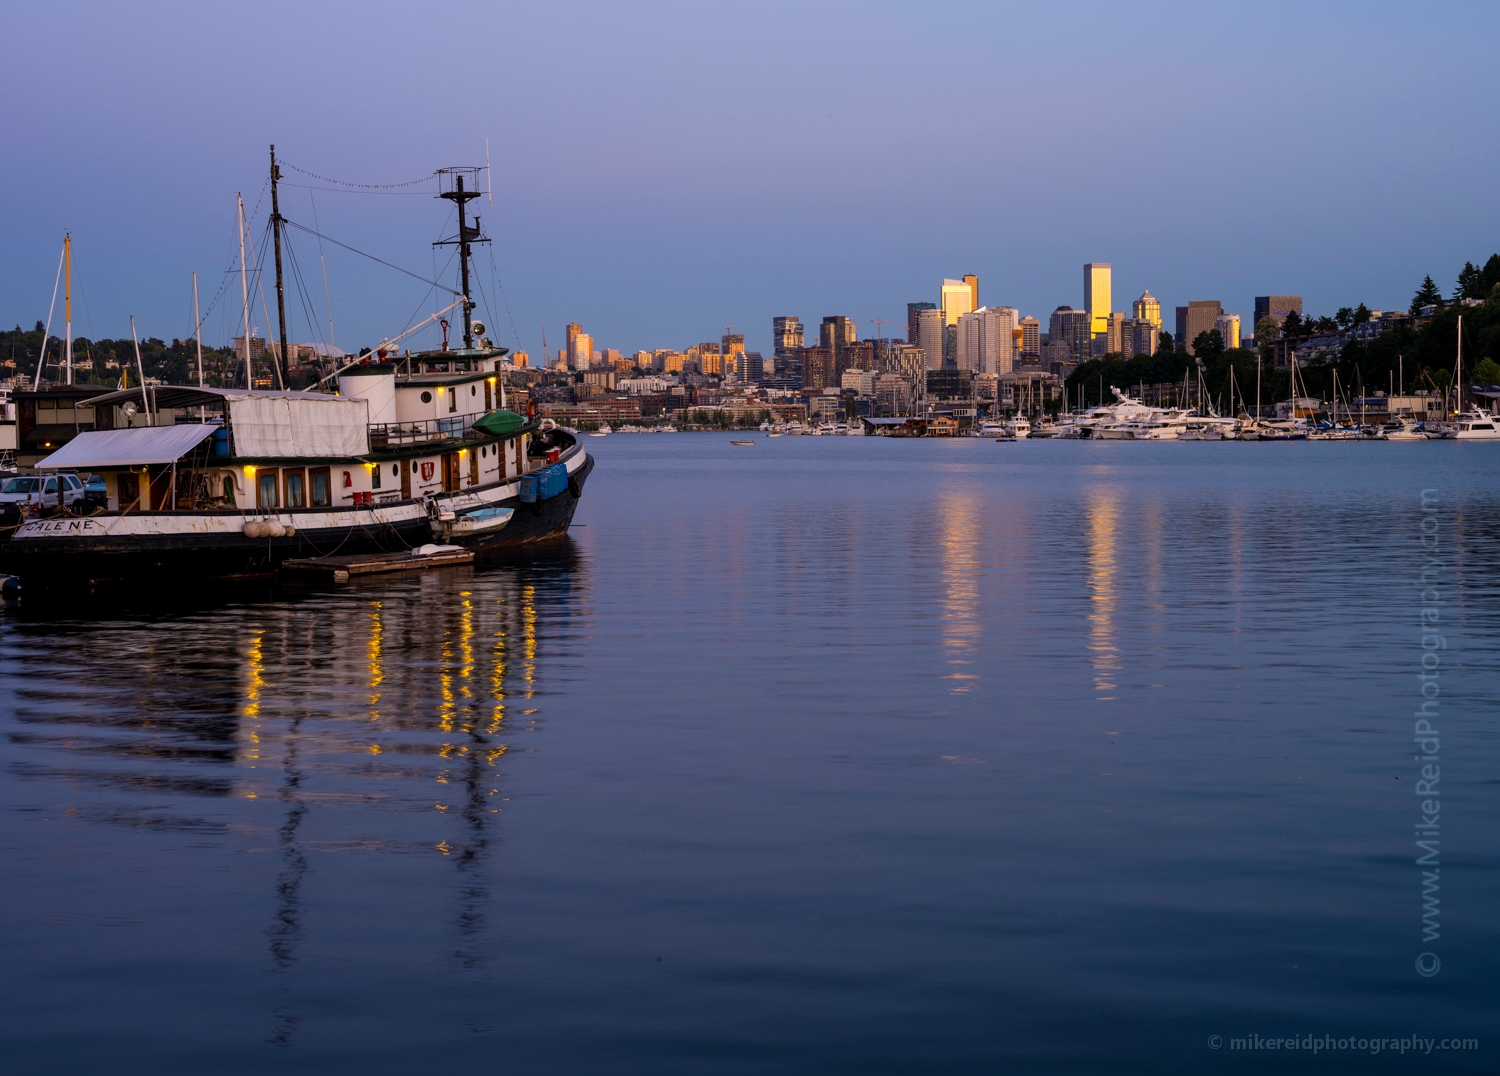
[
  {"x": 986, "y": 340},
  {"x": 1139, "y": 337},
  {"x": 1031, "y": 339},
  {"x": 930, "y": 334},
  {"x": 1276, "y": 306},
  {"x": 912, "y": 310},
  {"x": 1070, "y": 335},
  {"x": 958, "y": 298},
  {"x": 1229, "y": 329}
]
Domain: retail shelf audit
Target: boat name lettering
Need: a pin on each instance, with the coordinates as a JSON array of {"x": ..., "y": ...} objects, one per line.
[{"x": 59, "y": 526}]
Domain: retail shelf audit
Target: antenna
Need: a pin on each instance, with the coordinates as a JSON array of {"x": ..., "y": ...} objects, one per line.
[
  {"x": 451, "y": 186},
  {"x": 489, "y": 177}
]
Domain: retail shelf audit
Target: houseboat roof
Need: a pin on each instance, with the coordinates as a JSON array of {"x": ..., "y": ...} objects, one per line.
[
  {"x": 96, "y": 449},
  {"x": 175, "y": 396}
]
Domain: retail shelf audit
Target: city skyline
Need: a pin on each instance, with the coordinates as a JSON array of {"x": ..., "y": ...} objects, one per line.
[{"x": 625, "y": 243}]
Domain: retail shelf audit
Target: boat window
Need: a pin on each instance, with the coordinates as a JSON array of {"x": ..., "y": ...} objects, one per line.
[
  {"x": 375, "y": 473},
  {"x": 229, "y": 490},
  {"x": 20, "y": 485},
  {"x": 1482, "y": 426},
  {"x": 296, "y": 490},
  {"x": 426, "y": 397},
  {"x": 453, "y": 401},
  {"x": 320, "y": 487},
  {"x": 473, "y": 390},
  {"x": 267, "y": 490}
]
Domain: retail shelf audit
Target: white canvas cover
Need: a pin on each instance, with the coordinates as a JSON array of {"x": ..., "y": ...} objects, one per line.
[
  {"x": 101, "y": 449},
  {"x": 287, "y": 427}
]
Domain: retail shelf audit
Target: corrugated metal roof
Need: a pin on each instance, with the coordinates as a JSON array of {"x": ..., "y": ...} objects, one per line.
[{"x": 128, "y": 448}]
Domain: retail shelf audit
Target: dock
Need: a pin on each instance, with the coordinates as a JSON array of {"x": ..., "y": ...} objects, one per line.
[{"x": 340, "y": 569}]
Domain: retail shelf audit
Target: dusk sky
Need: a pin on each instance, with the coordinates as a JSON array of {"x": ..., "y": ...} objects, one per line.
[{"x": 664, "y": 170}]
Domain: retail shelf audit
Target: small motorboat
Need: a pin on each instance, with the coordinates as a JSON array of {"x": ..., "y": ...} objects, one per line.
[{"x": 742, "y": 442}]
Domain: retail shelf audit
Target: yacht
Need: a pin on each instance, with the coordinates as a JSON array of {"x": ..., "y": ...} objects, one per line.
[
  {"x": 1476, "y": 425},
  {"x": 1018, "y": 427}
]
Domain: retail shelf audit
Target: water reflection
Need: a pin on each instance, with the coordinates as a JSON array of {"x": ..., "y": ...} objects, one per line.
[
  {"x": 958, "y": 543},
  {"x": 366, "y": 719},
  {"x": 1103, "y": 509}
]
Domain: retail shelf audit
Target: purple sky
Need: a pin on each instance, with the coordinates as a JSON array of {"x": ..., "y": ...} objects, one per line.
[{"x": 663, "y": 170}]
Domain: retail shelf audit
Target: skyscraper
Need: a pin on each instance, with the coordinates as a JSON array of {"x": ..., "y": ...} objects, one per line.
[
  {"x": 573, "y": 330},
  {"x": 1146, "y": 308},
  {"x": 1197, "y": 317},
  {"x": 1096, "y": 296},
  {"x": 732, "y": 346},
  {"x": 912, "y": 310},
  {"x": 1071, "y": 331},
  {"x": 930, "y": 333},
  {"x": 973, "y": 282},
  {"x": 1276, "y": 306},
  {"x": 1031, "y": 338},
  {"x": 958, "y": 298},
  {"x": 986, "y": 341},
  {"x": 786, "y": 333},
  {"x": 1229, "y": 329}
]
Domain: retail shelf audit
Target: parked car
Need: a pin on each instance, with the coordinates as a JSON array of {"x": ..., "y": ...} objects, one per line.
[
  {"x": 24, "y": 491},
  {"x": 95, "y": 495}
]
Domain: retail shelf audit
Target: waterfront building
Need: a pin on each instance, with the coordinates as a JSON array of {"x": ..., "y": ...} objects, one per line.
[
  {"x": 1197, "y": 317},
  {"x": 1096, "y": 296},
  {"x": 930, "y": 336},
  {"x": 1147, "y": 308},
  {"x": 1070, "y": 335},
  {"x": 1229, "y": 329}
]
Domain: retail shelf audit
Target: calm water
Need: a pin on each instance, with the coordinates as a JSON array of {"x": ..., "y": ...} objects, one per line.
[{"x": 826, "y": 755}]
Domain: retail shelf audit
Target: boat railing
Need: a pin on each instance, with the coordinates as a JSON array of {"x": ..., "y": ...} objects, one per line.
[{"x": 422, "y": 431}]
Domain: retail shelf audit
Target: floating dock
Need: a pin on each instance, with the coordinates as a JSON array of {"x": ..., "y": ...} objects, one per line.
[{"x": 340, "y": 569}]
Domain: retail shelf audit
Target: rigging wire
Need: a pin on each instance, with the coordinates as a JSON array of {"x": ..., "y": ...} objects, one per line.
[
  {"x": 363, "y": 254},
  {"x": 362, "y": 186}
]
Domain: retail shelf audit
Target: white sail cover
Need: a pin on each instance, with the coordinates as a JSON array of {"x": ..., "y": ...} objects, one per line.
[
  {"x": 285, "y": 427},
  {"x": 99, "y": 449}
]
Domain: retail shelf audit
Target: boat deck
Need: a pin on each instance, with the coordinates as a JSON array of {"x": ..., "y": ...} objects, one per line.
[{"x": 340, "y": 569}]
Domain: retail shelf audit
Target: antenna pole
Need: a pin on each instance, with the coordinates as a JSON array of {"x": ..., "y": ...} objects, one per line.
[
  {"x": 244, "y": 289},
  {"x": 198, "y": 330},
  {"x": 467, "y": 235},
  {"x": 276, "y": 222}
]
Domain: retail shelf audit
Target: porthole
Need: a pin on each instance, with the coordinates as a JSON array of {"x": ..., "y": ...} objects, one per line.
[
  {"x": 473, "y": 391},
  {"x": 427, "y": 397},
  {"x": 395, "y": 469}
]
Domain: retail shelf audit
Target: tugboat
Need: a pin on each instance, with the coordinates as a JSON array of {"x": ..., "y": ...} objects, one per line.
[{"x": 204, "y": 482}]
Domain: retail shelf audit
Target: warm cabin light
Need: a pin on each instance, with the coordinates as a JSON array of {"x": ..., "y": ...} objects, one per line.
[
  {"x": 440, "y": 390},
  {"x": 462, "y": 453},
  {"x": 492, "y": 380},
  {"x": 249, "y": 472},
  {"x": 369, "y": 467}
]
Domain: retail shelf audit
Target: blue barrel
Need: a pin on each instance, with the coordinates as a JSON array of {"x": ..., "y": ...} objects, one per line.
[{"x": 221, "y": 442}]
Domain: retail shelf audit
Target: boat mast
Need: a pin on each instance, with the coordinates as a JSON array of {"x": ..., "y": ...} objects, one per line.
[
  {"x": 198, "y": 330},
  {"x": 68, "y": 301},
  {"x": 466, "y": 236},
  {"x": 1458, "y": 371},
  {"x": 276, "y": 222},
  {"x": 244, "y": 289}
]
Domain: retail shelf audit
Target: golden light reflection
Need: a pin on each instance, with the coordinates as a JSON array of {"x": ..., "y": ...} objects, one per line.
[
  {"x": 958, "y": 541},
  {"x": 1103, "y": 516},
  {"x": 255, "y": 687},
  {"x": 374, "y": 657}
]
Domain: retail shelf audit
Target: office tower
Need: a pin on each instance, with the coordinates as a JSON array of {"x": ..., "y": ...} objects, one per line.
[
  {"x": 930, "y": 336},
  {"x": 1197, "y": 317},
  {"x": 1276, "y": 306},
  {"x": 1139, "y": 337},
  {"x": 1031, "y": 338},
  {"x": 572, "y": 331},
  {"x": 1071, "y": 334},
  {"x": 818, "y": 368},
  {"x": 973, "y": 282},
  {"x": 732, "y": 346},
  {"x": 786, "y": 333},
  {"x": 1229, "y": 328},
  {"x": 859, "y": 355},
  {"x": 1146, "y": 308},
  {"x": 986, "y": 341},
  {"x": 580, "y": 350},
  {"x": 836, "y": 332},
  {"x": 957, "y": 298},
  {"x": 1096, "y": 296},
  {"x": 1114, "y": 334},
  {"x": 912, "y": 310}
]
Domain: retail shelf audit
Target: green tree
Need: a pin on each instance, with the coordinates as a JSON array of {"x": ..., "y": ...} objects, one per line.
[
  {"x": 1492, "y": 274},
  {"x": 1345, "y": 318},
  {"x": 1487, "y": 372},
  {"x": 1292, "y": 325},
  {"x": 1165, "y": 345},
  {"x": 1361, "y": 314},
  {"x": 1427, "y": 295},
  {"x": 1209, "y": 345},
  {"x": 1470, "y": 282},
  {"x": 1267, "y": 329}
]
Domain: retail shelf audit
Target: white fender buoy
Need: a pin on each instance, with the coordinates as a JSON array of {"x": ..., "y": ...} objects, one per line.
[
  {"x": 251, "y": 529},
  {"x": 290, "y": 530},
  {"x": 274, "y": 528}
]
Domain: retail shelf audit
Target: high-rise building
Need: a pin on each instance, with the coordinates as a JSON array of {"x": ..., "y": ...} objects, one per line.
[
  {"x": 986, "y": 340},
  {"x": 1276, "y": 306},
  {"x": 1114, "y": 334},
  {"x": 958, "y": 298},
  {"x": 1096, "y": 295},
  {"x": 581, "y": 351},
  {"x": 1147, "y": 308},
  {"x": 1031, "y": 338},
  {"x": 1229, "y": 329},
  {"x": 732, "y": 347},
  {"x": 786, "y": 333},
  {"x": 1197, "y": 317},
  {"x": 572, "y": 332},
  {"x": 1139, "y": 337},
  {"x": 836, "y": 332},
  {"x": 818, "y": 368},
  {"x": 930, "y": 334},
  {"x": 912, "y": 310},
  {"x": 1071, "y": 333},
  {"x": 973, "y": 282}
]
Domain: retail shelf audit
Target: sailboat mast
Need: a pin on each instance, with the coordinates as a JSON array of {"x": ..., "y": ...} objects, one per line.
[
  {"x": 467, "y": 235},
  {"x": 276, "y": 221},
  {"x": 1458, "y": 370},
  {"x": 244, "y": 289},
  {"x": 198, "y": 330},
  {"x": 68, "y": 301}
]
